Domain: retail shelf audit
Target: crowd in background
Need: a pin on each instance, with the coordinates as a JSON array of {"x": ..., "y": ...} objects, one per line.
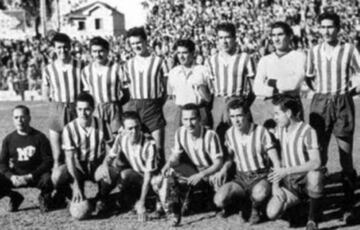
[{"x": 168, "y": 20}]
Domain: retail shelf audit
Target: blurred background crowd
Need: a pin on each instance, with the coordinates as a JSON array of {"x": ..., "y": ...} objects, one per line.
[{"x": 168, "y": 20}]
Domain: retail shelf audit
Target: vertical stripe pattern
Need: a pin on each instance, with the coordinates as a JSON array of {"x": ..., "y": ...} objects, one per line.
[
  {"x": 249, "y": 150},
  {"x": 146, "y": 82},
  {"x": 103, "y": 83},
  {"x": 295, "y": 145},
  {"x": 89, "y": 145},
  {"x": 203, "y": 151},
  {"x": 141, "y": 156},
  {"x": 332, "y": 73},
  {"x": 228, "y": 78},
  {"x": 64, "y": 83}
]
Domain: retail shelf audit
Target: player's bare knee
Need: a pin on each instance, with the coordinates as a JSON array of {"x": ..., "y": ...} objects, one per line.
[
  {"x": 220, "y": 198},
  {"x": 274, "y": 208},
  {"x": 314, "y": 181},
  {"x": 260, "y": 191}
]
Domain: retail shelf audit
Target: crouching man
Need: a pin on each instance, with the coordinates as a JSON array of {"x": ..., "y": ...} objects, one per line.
[
  {"x": 299, "y": 175},
  {"x": 135, "y": 155},
  {"x": 196, "y": 157},
  {"x": 85, "y": 141},
  {"x": 25, "y": 161},
  {"x": 249, "y": 146}
]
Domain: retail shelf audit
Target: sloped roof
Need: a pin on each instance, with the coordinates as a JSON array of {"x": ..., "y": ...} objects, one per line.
[{"x": 78, "y": 13}]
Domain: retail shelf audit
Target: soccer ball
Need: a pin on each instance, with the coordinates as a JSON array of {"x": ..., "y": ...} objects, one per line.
[{"x": 80, "y": 210}]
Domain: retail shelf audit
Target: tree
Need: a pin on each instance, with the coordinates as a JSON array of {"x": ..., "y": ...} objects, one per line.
[{"x": 32, "y": 8}]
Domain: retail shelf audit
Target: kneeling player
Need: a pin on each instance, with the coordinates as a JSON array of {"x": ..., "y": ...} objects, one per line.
[
  {"x": 25, "y": 161},
  {"x": 299, "y": 174},
  {"x": 248, "y": 145},
  {"x": 136, "y": 158},
  {"x": 84, "y": 142},
  {"x": 197, "y": 155}
]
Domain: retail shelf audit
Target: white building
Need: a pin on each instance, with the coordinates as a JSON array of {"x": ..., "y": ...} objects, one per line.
[{"x": 95, "y": 19}]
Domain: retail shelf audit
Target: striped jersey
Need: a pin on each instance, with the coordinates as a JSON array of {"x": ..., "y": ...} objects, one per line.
[
  {"x": 332, "y": 73},
  {"x": 231, "y": 78},
  {"x": 89, "y": 144},
  {"x": 64, "y": 80},
  {"x": 140, "y": 156},
  {"x": 295, "y": 145},
  {"x": 103, "y": 82},
  {"x": 249, "y": 150},
  {"x": 146, "y": 77},
  {"x": 203, "y": 150}
]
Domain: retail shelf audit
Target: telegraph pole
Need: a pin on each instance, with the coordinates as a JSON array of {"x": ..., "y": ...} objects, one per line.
[{"x": 43, "y": 17}]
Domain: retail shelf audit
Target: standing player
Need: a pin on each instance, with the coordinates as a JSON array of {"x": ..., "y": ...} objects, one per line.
[
  {"x": 330, "y": 65},
  {"x": 147, "y": 85},
  {"x": 197, "y": 155},
  {"x": 231, "y": 73},
  {"x": 249, "y": 146},
  {"x": 84, "y": 141},
  {"x": 189, "y": 83},
  {"x": 283, "y": 71},
  {"x": 101, "y": 78},
  {"x": 61, "y": 85},
  {"x": 300, "y": 172},
  {"x": 25, "y": 161}
]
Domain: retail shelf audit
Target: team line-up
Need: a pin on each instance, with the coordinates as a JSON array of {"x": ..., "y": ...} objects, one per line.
[{"x": 106, "y": 125}]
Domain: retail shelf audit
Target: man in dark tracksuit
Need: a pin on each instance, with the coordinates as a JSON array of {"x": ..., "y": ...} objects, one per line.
[{"x": 25, "y": 161}]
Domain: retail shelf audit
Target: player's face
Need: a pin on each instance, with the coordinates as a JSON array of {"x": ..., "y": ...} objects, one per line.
[
  {"x": 190, "y": 121},
  {"x": 184, "y": 56},
  {"x": 132, "y": 128},
  {"x": 281, "y": 117},
  {"x": 280, "y": 40},
  {"x": 21, "y": 119},
  {"x": 62, "y": 50},
  {"x": 239, "y": 119},
  {"x": 99, "y": 53},
  {"x": 328, "y": 30},
  {"x": 226, "y": 42},
  {"x": 138, "y": 45},
  {"x": 84, "y": 111}
]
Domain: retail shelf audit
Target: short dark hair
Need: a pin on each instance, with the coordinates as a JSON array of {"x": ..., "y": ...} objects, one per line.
[
  {"x": 130, "y": 115},
  {"x": 23, "y": 108},
  {"x": 187, "y": 43},
  {"x": 193, "y": 107},
  {"x": 99, "y": 41},
  {"x": 227, "y": 27},
  {"x": 286, "y": 102},
  {"x": 284, "y": 26},
  {"x": 85, "y": 97},
  {"x": 61, "y": 37},
  {"x": 330, "y": 16},
  {"x": 137, "y": 32},
  {"x": 239, "y": 104}
]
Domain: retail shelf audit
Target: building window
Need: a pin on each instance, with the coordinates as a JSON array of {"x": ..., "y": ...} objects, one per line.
[
  {"x": 81, "y": 25},
  {"x": 98, "y": 23}
]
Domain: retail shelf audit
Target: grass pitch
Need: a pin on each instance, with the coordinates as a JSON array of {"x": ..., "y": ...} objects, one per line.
[{"x": 29, "y": 216}]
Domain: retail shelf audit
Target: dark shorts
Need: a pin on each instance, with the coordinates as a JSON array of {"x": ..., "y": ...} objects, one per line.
[
  {"x": 111, "y": 113},
  {"x": 247, "y": 180},
  {"x": 150, "y": 112},
  {"x": 300, "y": 186},
  {"x": 60, "y": 114},
  {"x": 333, "y": 114}
]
